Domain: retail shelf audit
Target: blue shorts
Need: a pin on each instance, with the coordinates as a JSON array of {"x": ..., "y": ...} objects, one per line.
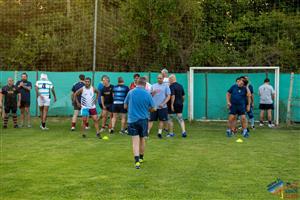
[
  {"x": 237, "y": 110},
  {"x": 161, "y": 114},
  {"x": 85, "y": 112},
  {"x": 138, "y": 128}
]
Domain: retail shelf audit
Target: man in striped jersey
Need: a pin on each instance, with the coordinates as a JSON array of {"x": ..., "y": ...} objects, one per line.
[
  {"x": 43, "y": 88},
  {"x": 88, "y": 104},
  {"x": 119, "y": 94}
]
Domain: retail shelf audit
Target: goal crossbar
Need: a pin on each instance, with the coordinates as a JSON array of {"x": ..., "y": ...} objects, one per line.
[{"x": 276, "y": 87}]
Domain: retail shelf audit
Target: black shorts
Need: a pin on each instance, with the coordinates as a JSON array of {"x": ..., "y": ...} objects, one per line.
[
  {"x": 109, "y": 107},
  {"x": 12, "y": 109},
  {"x": 24, "y": 104},
  {"x": 161, "y": 114},
  {"x": 266, "y": 106},
  {"x": 138, "y": 128},
  {"x": 178, "y": 108},
  {"x": 118, "y": 108}
]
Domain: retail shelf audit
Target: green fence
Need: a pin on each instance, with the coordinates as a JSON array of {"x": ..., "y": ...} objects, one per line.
[{"x": 209, "y": 91}]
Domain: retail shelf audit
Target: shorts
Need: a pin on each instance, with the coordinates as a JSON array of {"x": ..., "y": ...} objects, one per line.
[
  {"x": 85, "y": 112},
  {"x": 237, "y": 110},
  {"x": 109, "y": 107},
  {"x": 75, "y": 106},
  {"x": 178, "y": 108},
  {"x": 44, "y": 102},
  {"x": 161, "y": 114},
  {"x": 25, "y": 104},
  {"x": 138, "y": 128},
  {"x": 12, "y": 109},
  {"x": 263, "y": 106},
  {"x": 118, "y": 108}
]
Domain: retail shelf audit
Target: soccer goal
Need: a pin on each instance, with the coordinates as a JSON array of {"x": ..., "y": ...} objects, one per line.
[{"x": 208, "y": 87}]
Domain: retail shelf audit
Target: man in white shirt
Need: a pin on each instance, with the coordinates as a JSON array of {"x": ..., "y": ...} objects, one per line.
[
  {"x": 43, "y": 88},
  {"x": 267, "y": 95}
]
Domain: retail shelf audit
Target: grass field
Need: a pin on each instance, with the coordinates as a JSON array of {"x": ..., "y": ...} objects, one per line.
[{"x": 59, "y": 164}]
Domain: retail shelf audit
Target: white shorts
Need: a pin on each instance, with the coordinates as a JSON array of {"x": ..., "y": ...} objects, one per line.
[{"x": 45, "y": 101}]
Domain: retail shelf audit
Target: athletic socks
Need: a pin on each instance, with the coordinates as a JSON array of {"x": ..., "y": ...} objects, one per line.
[
  {"x": 252, "y": 122},
  {"x": 5, "y": 121},
  {"x": 141, "y": 156},
  {"x": 270, "y": 122},
  {"x": 43, "y": 124},
  {"x": 136, "y": 159},
  {"x": 73, "y": 124}
]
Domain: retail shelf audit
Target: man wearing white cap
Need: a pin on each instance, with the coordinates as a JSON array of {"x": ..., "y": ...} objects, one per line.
[{"x": 42, "y": 88}]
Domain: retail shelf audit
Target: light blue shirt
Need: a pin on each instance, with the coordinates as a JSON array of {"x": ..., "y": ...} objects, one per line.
[
  {"x": 139, "y": 102},
  {"x": 161, "y": 93}
]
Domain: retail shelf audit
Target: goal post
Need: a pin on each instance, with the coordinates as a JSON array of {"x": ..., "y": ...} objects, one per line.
[{"x": 191, "y": 87}]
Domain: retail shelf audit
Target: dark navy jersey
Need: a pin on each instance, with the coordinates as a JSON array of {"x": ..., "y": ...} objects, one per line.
[
  {"x": 120, "y": 93},
  {"x": 107, "y": 93},
  {"x": 25, "y": 94},
  {"x": 76, "y": 87},
  {"x": 238, "y": 95},
  {"x": 10, "y": 95},
  {"x": 178, "y": 91}
]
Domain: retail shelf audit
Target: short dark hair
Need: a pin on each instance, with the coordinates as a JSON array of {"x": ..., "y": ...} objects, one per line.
[
  {"x": 136, "y": 75},
  {"x": 24, "y": 73},
  {"x": 245, "y": 81},
  {"x": 88, "y": 78},
  {"x": 267, "y": 80},
  {"x": 103, "y": 76},
  {"x": 81, "y": 77},
  {"x": 120, "y": 80},
  {"x": 142, "y": 81}
]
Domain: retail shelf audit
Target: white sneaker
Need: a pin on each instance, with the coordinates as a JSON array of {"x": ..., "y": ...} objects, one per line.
[
  {"x": 87, "y": 128},
  {"x": 261, "y": 125},
  {"x": 271, "y": 125},
  {"x": 72, "y": 128},
  {"x": 102, "y": 130},
  {"x": 29, "y": 126}
]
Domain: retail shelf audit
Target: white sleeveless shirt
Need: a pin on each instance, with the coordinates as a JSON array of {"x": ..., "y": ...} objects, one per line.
[{"x": 88, "y": 98}]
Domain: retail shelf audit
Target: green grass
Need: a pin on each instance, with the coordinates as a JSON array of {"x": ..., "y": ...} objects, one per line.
[{"x": 58, "y": 164}]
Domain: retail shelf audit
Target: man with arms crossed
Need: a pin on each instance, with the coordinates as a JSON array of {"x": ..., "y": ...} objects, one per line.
[
  {"x": 24, "y": 87},
  {"x": 138, "y": 102},
  {"x": 161, "y": 95},
  {"x": 175, "y": 106},
  {"x": 88, "y": 105},
  {"x": 12, "y": 100},
  {"x": 267, "y": 95},
  {"x": 42, "y": 89},
  {"x": 236, "y": 98},
  {"x": 107, "y": 102}
]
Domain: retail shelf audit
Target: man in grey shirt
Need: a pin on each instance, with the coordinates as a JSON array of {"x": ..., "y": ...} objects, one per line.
[
  {"x": 266, "y": 94},
  {"x": 161, "y": 95}
]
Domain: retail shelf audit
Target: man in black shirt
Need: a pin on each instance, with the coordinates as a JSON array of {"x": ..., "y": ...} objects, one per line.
[
  {"x": 106, "y": 101},
  {"x": 24, "y": 86},
  {"x": 175, "y": 106},
  {"x": 12, "y": 100}
]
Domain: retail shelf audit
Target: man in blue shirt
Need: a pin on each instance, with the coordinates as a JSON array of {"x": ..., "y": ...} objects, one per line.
[
  {"x": 161, "y": 95},
  {"x": 24, "y": 86},
  {"x": 236, "y": 97},
  {"x": 138, "y": 102},
  {"x": 119, "y": 94},
  {"x": 74, "y": 89}
]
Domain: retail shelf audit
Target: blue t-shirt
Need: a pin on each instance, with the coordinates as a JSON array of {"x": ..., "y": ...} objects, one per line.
[
  {"x": 76, "y": 87},
  {"x": 139, "y": 102},
  {"x": 161, "y": 93},
  {"x": 238, "y": 95},
  {"x": 120, "y": 93},
  {"x": 100, "y": 87},
  {"x": 25, "y": 94}
]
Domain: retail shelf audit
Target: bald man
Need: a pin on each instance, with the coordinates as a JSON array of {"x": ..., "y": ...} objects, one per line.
[{"x": 175, "y": 106}]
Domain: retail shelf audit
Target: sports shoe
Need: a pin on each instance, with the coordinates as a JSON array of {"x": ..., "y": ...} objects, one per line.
[
  {"x": 45, "y": 128},
  {"x": 261, "y": 124},
  {"x": 166, "y": 130},
  {"x": 98, "y": 135},
  {"x": 159, "y": 135},
  {"x": 29, "y": 126},
  {"x": 253, "y": 127},
  {"x": 137, "y": 165},
  {"x": 271, "y": 125},
  {"x": 184, "y": 135},
  {"x": 72, "y": 128},
  {"x": 102, "y": 130},
  {"x": 83, "y": 135},
  {"x": 122, "y": 132},
  {"x": 141, "y": 160},
  {"x": 111, "y": 131},
  {"x": 16, "y": 126},
  {"x": 87, "y": 128},
  {"x": 245, "y": 134},
  {"x": 228, "y": 133},
  {"x": 4, "y": 126},
  {"x": 170, "y": 135}
]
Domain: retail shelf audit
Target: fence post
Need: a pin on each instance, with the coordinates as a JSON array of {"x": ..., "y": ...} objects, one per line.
[{"x": 288, "y": 110}]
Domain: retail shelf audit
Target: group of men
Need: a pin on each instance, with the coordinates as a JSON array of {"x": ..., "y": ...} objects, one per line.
[
  {"x": 167, "y": 95},
  {"x": 18, "y": 96},
  {"x": 240, "y": 102}
]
